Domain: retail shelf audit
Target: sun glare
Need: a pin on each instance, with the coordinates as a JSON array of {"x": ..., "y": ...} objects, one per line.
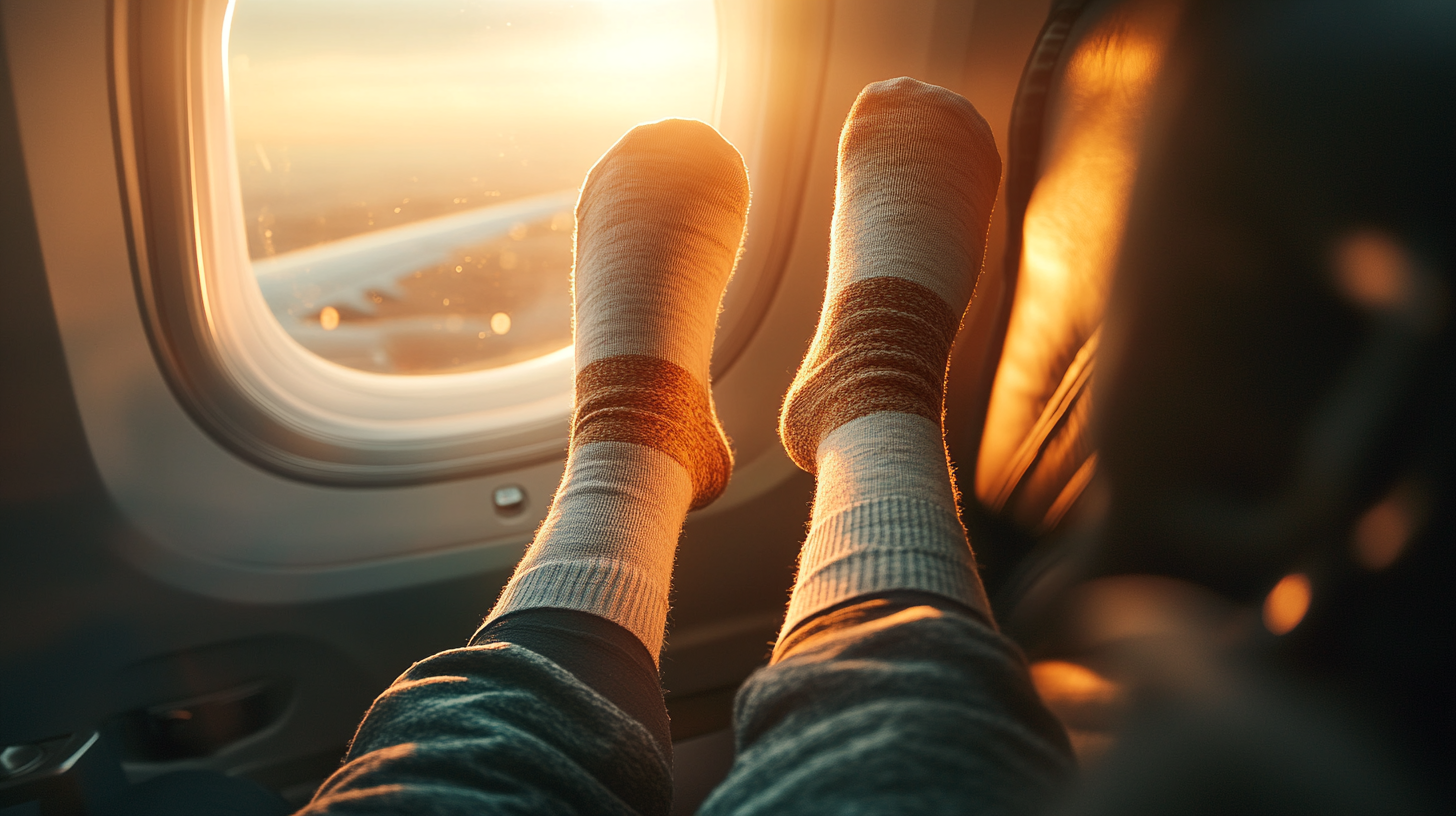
[
  {"x": 1383, "y": 532},
  {"x": 1287, "y": 603},
  {"x": 386, "y": 117},
  {"x": 1373, "y": 270},
  {"x": 1073, "y": 226}
]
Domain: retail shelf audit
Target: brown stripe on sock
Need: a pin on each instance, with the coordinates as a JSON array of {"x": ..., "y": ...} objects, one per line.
[
  {"x": 886, "y": 350},
  {"x": 651, "y": 402}
]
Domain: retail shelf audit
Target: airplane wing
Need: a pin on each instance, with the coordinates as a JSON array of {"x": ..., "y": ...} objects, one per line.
[{"x": 343, "y": 273}]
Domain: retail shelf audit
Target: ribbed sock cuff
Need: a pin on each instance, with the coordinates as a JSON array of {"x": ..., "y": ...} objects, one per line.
[
  {"x": 614, "y": 590},
  {"x": 882, "y": 545}
]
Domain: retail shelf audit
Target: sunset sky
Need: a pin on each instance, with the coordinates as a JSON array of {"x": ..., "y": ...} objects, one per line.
[{"x": 341, "y": 106}]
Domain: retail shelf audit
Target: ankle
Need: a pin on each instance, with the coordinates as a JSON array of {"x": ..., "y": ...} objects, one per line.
[
  {"x": 883, "y": 346},
  {"x": 646, "y": 401}
]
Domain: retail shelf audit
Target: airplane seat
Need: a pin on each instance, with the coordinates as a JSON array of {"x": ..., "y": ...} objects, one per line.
[
  {"x": 1031, "y": 341},
  {"x": 1269, "y": 561},
  {"x": 1279, "y": 378},
  {"x": 1277, "y": 332},
  {"x": 1021, "y": 381}
]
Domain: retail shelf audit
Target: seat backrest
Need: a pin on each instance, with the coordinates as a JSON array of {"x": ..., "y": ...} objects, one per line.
[
  {"x": 1035, "y": 457},
  {"x": 1278, "y": 333},
  {"x": 1072, "y": 155},
  {"x": 1276, "y": 388}
]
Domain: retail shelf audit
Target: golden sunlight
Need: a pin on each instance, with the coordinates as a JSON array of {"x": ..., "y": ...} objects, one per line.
[
  {"x": 1072, "y": 684},
  {"x": 1287, "y": 603},
  {"x": 408, "y": 110},
  {"x": 407, "y": 167},
  {"x": 1072, "y": 232},
  {"x": 1382, "y": 533},
  {"x": 1087, "y": 703},
  {"x": 1373, "y": 271}
]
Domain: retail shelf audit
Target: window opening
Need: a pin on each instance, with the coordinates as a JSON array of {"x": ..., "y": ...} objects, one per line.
[{"x": 407, "y": 169}]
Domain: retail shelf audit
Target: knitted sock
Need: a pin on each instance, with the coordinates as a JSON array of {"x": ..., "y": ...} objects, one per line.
[
  {"x": 918, "y": 172},
  {"x": 659, "y": 225}
]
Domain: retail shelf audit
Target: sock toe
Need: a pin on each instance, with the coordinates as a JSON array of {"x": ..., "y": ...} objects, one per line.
[
  {"x": 918, "y": 175},
  {"x": 659, "y": 225}
]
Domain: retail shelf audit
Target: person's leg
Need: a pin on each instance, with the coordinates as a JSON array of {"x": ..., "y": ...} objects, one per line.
[
  {"x": 890, "y": 689},
  {"x": 659, "y": 226},
  {"x": 918, "y": 172}
]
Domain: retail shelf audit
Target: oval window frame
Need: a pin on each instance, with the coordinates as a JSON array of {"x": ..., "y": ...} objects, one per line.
[{"x": 269, "y": 401}]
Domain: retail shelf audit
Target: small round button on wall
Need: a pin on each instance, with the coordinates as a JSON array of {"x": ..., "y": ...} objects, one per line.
[{"x": 509, "y": 499}]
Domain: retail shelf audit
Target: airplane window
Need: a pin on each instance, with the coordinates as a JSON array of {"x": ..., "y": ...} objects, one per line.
[{"x": 408, "y": 169}]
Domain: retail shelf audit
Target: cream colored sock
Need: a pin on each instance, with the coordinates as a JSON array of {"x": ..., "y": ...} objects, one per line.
[
  {"x": 918, "y": 172},
  {"x": 658, "y": 229}
]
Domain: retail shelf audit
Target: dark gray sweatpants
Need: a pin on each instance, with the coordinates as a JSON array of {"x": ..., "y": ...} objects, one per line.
[{"x": 887, "y": 705}]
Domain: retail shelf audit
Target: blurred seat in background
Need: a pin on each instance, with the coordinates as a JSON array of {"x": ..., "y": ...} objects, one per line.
[{"x": 1261, "y": 561}]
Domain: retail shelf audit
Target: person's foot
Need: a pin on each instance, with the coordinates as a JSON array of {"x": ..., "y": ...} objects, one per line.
[
  {"x": 918, "y": 172},
  {"x": 659, "y": 226}
]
